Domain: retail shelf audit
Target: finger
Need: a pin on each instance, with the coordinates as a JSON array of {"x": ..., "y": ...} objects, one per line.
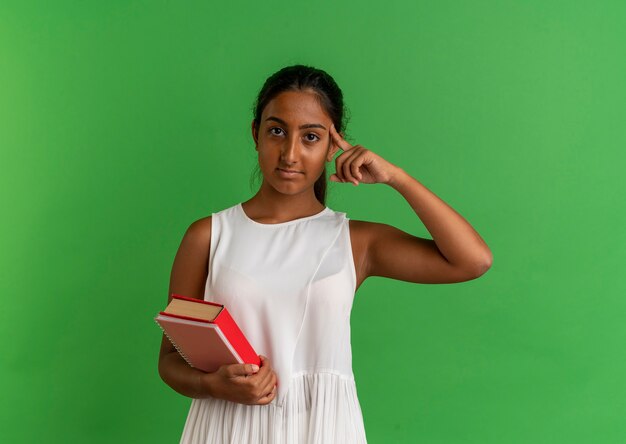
[
  {"x": 266, "y": 367},
  {"x": 269, "y": 383},
  {"x": 270, "y": 388},
  {"x": 335, "y": 178},
  {"x": 268, "y": 398},
  {"x": 354, "y": 167},
  {"x": 347, "y": 166},
  {"x": 338, "y": 139},
  {"x": 339, "y": 161},
  {"x": 251, "y": 370},
  {"x": 242, "y": 369},
  {"x": 265, "y": 362},
  {"x": 266, "y": 388},
  {"x": 264, "y": 379}
]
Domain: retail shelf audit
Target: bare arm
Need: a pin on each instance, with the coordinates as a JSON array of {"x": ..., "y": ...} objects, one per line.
[
  {"x": 456, "y": 253},
  {"x": 243, "y": 383},
  {"x": 189, "y": 273}
]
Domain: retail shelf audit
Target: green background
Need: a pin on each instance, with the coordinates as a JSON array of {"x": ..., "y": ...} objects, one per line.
[{"x": 122, "y": 122}]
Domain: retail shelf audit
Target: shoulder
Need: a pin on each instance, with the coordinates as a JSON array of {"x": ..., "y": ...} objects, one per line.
[
  {"x": 199, "y": 232},
  {"x": 190, "y": 267},
  {"x": 366, "y": 231},
  {"x": 363, "y": 233},
  {"x": 363, "y": 236}
]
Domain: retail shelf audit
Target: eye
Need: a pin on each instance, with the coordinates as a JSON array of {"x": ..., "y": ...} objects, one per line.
[
  {"x": 316, "y": 137},
  {"x": 275, "y": 128}
]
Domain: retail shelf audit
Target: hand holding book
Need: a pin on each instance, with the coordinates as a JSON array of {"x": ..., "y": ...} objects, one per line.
[
  {"x": 208, "y": 339},
  {"x": 205, "y": 334},
  {"x": 242, "y": 383}
]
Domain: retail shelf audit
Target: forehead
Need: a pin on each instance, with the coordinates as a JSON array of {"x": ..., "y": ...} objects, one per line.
[{"x": 296, "y": 107}]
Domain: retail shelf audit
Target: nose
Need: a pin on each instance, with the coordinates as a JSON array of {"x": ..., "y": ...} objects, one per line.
[{"x": 290, "y": 150}]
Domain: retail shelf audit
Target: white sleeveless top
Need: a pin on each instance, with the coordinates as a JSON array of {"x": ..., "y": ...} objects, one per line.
[{"x": 290, "y": 287}]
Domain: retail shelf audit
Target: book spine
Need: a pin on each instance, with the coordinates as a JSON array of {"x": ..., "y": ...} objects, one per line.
[
  {"x": 180, "y": 352},
  {"x": 190, "y": 318},
  {"x": 236, "y": 337}
]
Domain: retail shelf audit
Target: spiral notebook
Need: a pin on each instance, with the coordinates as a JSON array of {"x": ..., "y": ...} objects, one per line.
[{"x": 205, "y": 334}]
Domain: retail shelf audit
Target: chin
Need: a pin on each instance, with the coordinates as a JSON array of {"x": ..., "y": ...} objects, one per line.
[{"x": 286, "y": 187}]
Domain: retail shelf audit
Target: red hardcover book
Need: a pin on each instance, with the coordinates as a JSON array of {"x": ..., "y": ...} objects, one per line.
[{"x": 205, "y": 334}]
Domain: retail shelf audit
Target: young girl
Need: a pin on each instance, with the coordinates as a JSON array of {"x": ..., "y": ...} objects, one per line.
[{"x": 286, "y": 266}]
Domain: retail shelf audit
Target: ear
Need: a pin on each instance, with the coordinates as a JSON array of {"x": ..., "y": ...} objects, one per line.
[{"x": 254, "y": 136}]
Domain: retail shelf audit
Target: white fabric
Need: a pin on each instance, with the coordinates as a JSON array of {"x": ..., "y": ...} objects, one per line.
[{"x": 290, "y": 287}]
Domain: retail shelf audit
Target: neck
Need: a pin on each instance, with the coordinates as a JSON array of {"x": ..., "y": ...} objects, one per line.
[{"x": 276, "y": 207}]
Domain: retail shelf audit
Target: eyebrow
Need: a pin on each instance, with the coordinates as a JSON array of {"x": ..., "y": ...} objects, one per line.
[{"x": 306, "y": 125}]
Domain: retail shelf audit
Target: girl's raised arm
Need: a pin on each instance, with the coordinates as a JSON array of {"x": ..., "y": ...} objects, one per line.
[{"x": 456, "y": 253}]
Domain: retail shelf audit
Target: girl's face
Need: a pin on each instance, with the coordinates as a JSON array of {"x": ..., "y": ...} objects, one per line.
[{"x": 294, "y": 134}]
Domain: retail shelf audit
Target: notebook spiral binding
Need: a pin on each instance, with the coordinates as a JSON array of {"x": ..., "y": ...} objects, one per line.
[{"x": 180, "y": 352}]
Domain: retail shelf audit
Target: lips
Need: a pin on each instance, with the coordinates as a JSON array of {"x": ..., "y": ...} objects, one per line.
[{"x": 288, "y": 171}]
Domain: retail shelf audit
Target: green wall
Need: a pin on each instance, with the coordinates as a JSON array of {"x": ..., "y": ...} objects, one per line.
[{"x": 123, "y": 122}]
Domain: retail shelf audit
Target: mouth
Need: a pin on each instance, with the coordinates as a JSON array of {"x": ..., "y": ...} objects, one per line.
[{"x": 288, "y": 174}]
